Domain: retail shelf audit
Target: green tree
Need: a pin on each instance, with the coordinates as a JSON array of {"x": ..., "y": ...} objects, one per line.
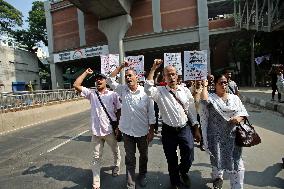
[
  {"x": 37, "y": 22},
  {"x": 36, "y": 31},
  {"x": 10, "y": 17}
]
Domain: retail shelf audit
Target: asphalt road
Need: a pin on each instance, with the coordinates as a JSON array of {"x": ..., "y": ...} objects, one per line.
[{"x": 57, "y": 155}]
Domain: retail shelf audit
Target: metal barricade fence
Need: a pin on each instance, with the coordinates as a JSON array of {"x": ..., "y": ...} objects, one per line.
[{"x": 25, "y": 99}]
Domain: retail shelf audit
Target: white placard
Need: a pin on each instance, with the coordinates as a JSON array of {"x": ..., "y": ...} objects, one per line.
[
  {"x": 173, "y": 59},
  {"x": 195, "y": 65},
  {"x": 109, "y": 63},
  {"x": 137, "y": 63}
]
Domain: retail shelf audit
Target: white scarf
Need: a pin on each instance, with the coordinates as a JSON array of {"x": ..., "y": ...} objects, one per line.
[{"x": 232, "y": 108}]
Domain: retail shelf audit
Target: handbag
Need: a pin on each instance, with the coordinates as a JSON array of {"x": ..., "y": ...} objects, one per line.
[
  {"x": 246, "y": 135},
  {"x": 114, "y": 124}
]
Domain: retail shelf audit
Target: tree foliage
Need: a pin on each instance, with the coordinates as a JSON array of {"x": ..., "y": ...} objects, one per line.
[
  {"x": 36, "y": 32},
  {"x": 10, "y": 17},
  {"x": 37, "y": 22}
]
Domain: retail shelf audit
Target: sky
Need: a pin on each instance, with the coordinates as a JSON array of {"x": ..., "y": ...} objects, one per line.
[{"x": 24, "y": 6}]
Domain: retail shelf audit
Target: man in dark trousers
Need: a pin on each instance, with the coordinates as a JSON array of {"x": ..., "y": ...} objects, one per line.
[{"x": 176, "y": 105}]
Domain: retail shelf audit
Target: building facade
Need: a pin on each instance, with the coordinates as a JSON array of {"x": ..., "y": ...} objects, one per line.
[
  {"x": 18, "y": 66},
  {"x": 79, "y": 31}
]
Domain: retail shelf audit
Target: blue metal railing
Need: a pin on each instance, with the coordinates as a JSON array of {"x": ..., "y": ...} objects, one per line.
[{"x": 24, "y": 99}]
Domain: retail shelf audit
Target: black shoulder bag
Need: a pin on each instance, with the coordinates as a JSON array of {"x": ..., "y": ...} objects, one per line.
[
  {"x": 178, "y": 100},
  {"x": 114, "y": 124},
  {"x": 246, "y": 135}
]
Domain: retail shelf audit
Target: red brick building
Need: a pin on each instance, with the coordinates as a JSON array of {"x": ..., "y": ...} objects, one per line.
[{"x": 78, "y": 31}]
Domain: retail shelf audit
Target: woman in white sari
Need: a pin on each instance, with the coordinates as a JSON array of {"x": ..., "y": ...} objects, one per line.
[{"x": 220, "y": 112}]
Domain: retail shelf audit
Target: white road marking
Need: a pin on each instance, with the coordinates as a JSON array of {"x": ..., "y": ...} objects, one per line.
[{"x": 65, "y": 142}]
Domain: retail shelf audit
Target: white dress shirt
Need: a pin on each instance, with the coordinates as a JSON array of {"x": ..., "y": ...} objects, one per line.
[
  {"x": 137, "y": 111},
  {"x": 172, "y": 112},
  {"x": 99, "y": 119}
]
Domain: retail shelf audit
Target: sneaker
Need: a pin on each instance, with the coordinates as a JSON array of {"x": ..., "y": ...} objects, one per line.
[
  {"x": 142, "y": 181},
  {"x": 272, "y": 99},
  {"x": 185, "y": 179},
  {"x": 115, "y": 171},
  {"x": 218, "y": 183}
]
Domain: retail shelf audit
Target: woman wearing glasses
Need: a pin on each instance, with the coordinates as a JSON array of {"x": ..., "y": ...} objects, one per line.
[{"x": 220, "y": 113}]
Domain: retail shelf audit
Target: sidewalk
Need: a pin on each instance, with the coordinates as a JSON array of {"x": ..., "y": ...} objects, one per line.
[{"x": 261, "y": 96}]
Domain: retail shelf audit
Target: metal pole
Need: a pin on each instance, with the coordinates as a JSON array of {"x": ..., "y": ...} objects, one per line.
[
  {"x": 121, "y": 60},
  {"x": 252, "y": 61},
  {"x": 235, "y": 12},
  {"x": 269, "y": 15},
  {"x": 247, "y": 15},
  {"x": 256, "y": 15}
]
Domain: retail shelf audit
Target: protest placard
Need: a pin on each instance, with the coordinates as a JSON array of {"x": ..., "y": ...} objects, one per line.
[
  {"x": 173, "y": 59},
  {"x": 109, "y": 63},
  {"x": 195, "y": 65},
  {"x": 136, "y": 63}
]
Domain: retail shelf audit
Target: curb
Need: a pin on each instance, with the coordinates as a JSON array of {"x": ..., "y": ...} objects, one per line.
[{"x": 264, "y": 104}]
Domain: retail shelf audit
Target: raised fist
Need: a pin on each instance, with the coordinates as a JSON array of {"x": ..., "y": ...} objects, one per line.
[{"x": 89, "y": 71}]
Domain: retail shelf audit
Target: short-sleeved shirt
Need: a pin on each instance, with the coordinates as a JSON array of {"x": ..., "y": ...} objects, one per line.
[{"x": 100, "y": 123}]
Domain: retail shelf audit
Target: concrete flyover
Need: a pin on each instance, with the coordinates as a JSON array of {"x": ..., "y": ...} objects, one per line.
[{"x": 104, "y": 8}]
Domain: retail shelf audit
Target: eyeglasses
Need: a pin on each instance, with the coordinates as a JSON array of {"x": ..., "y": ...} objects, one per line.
[{"x": 223, "y": 83}]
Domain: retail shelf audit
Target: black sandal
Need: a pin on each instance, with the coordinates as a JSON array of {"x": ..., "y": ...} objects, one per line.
[{"x": 217, "y": 183}]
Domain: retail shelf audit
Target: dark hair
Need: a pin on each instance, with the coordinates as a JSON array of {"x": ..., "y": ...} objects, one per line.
[{"x": 217, "y": 77}]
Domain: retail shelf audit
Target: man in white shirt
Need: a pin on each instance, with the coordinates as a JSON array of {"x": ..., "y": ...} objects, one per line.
[
  {"x": 136, "y": 123},
  {"x": 176, "y": 106},
  {"x": 101, "y": 128}
]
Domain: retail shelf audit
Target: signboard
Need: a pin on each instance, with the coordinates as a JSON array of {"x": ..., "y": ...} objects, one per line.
[
  {"x": 173, "y": 59},
  {"x": 109, "y": 63},
  {"x": 80, "y": 53},
  {"x": 195, "y": 65},
  {"x": 137, "y": 63}
]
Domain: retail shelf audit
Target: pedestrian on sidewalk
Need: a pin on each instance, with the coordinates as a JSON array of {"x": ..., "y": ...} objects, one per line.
[
  {"x": 232, "y": 85},
  {"x": 176, "y": 105},
  {"x": 280, "y": 81},
  {"x": 273, "y": 75},
  {"x": 100, "y": 124},
  {"x": 136, "y": 123},
  {"x": 220, "y": 113}
]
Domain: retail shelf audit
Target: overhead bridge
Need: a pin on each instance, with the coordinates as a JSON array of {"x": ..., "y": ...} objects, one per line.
[{"x": 104, "y": 9}]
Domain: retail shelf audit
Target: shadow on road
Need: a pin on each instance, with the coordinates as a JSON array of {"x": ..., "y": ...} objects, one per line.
[
  {"x": 267, "y": 178},
  {"x": 81, "y": 177}
]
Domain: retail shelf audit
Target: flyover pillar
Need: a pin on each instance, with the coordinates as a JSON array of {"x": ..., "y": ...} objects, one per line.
[
  {"x": 203, "y": 30},
  {"x": 115, "y": 29}
]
